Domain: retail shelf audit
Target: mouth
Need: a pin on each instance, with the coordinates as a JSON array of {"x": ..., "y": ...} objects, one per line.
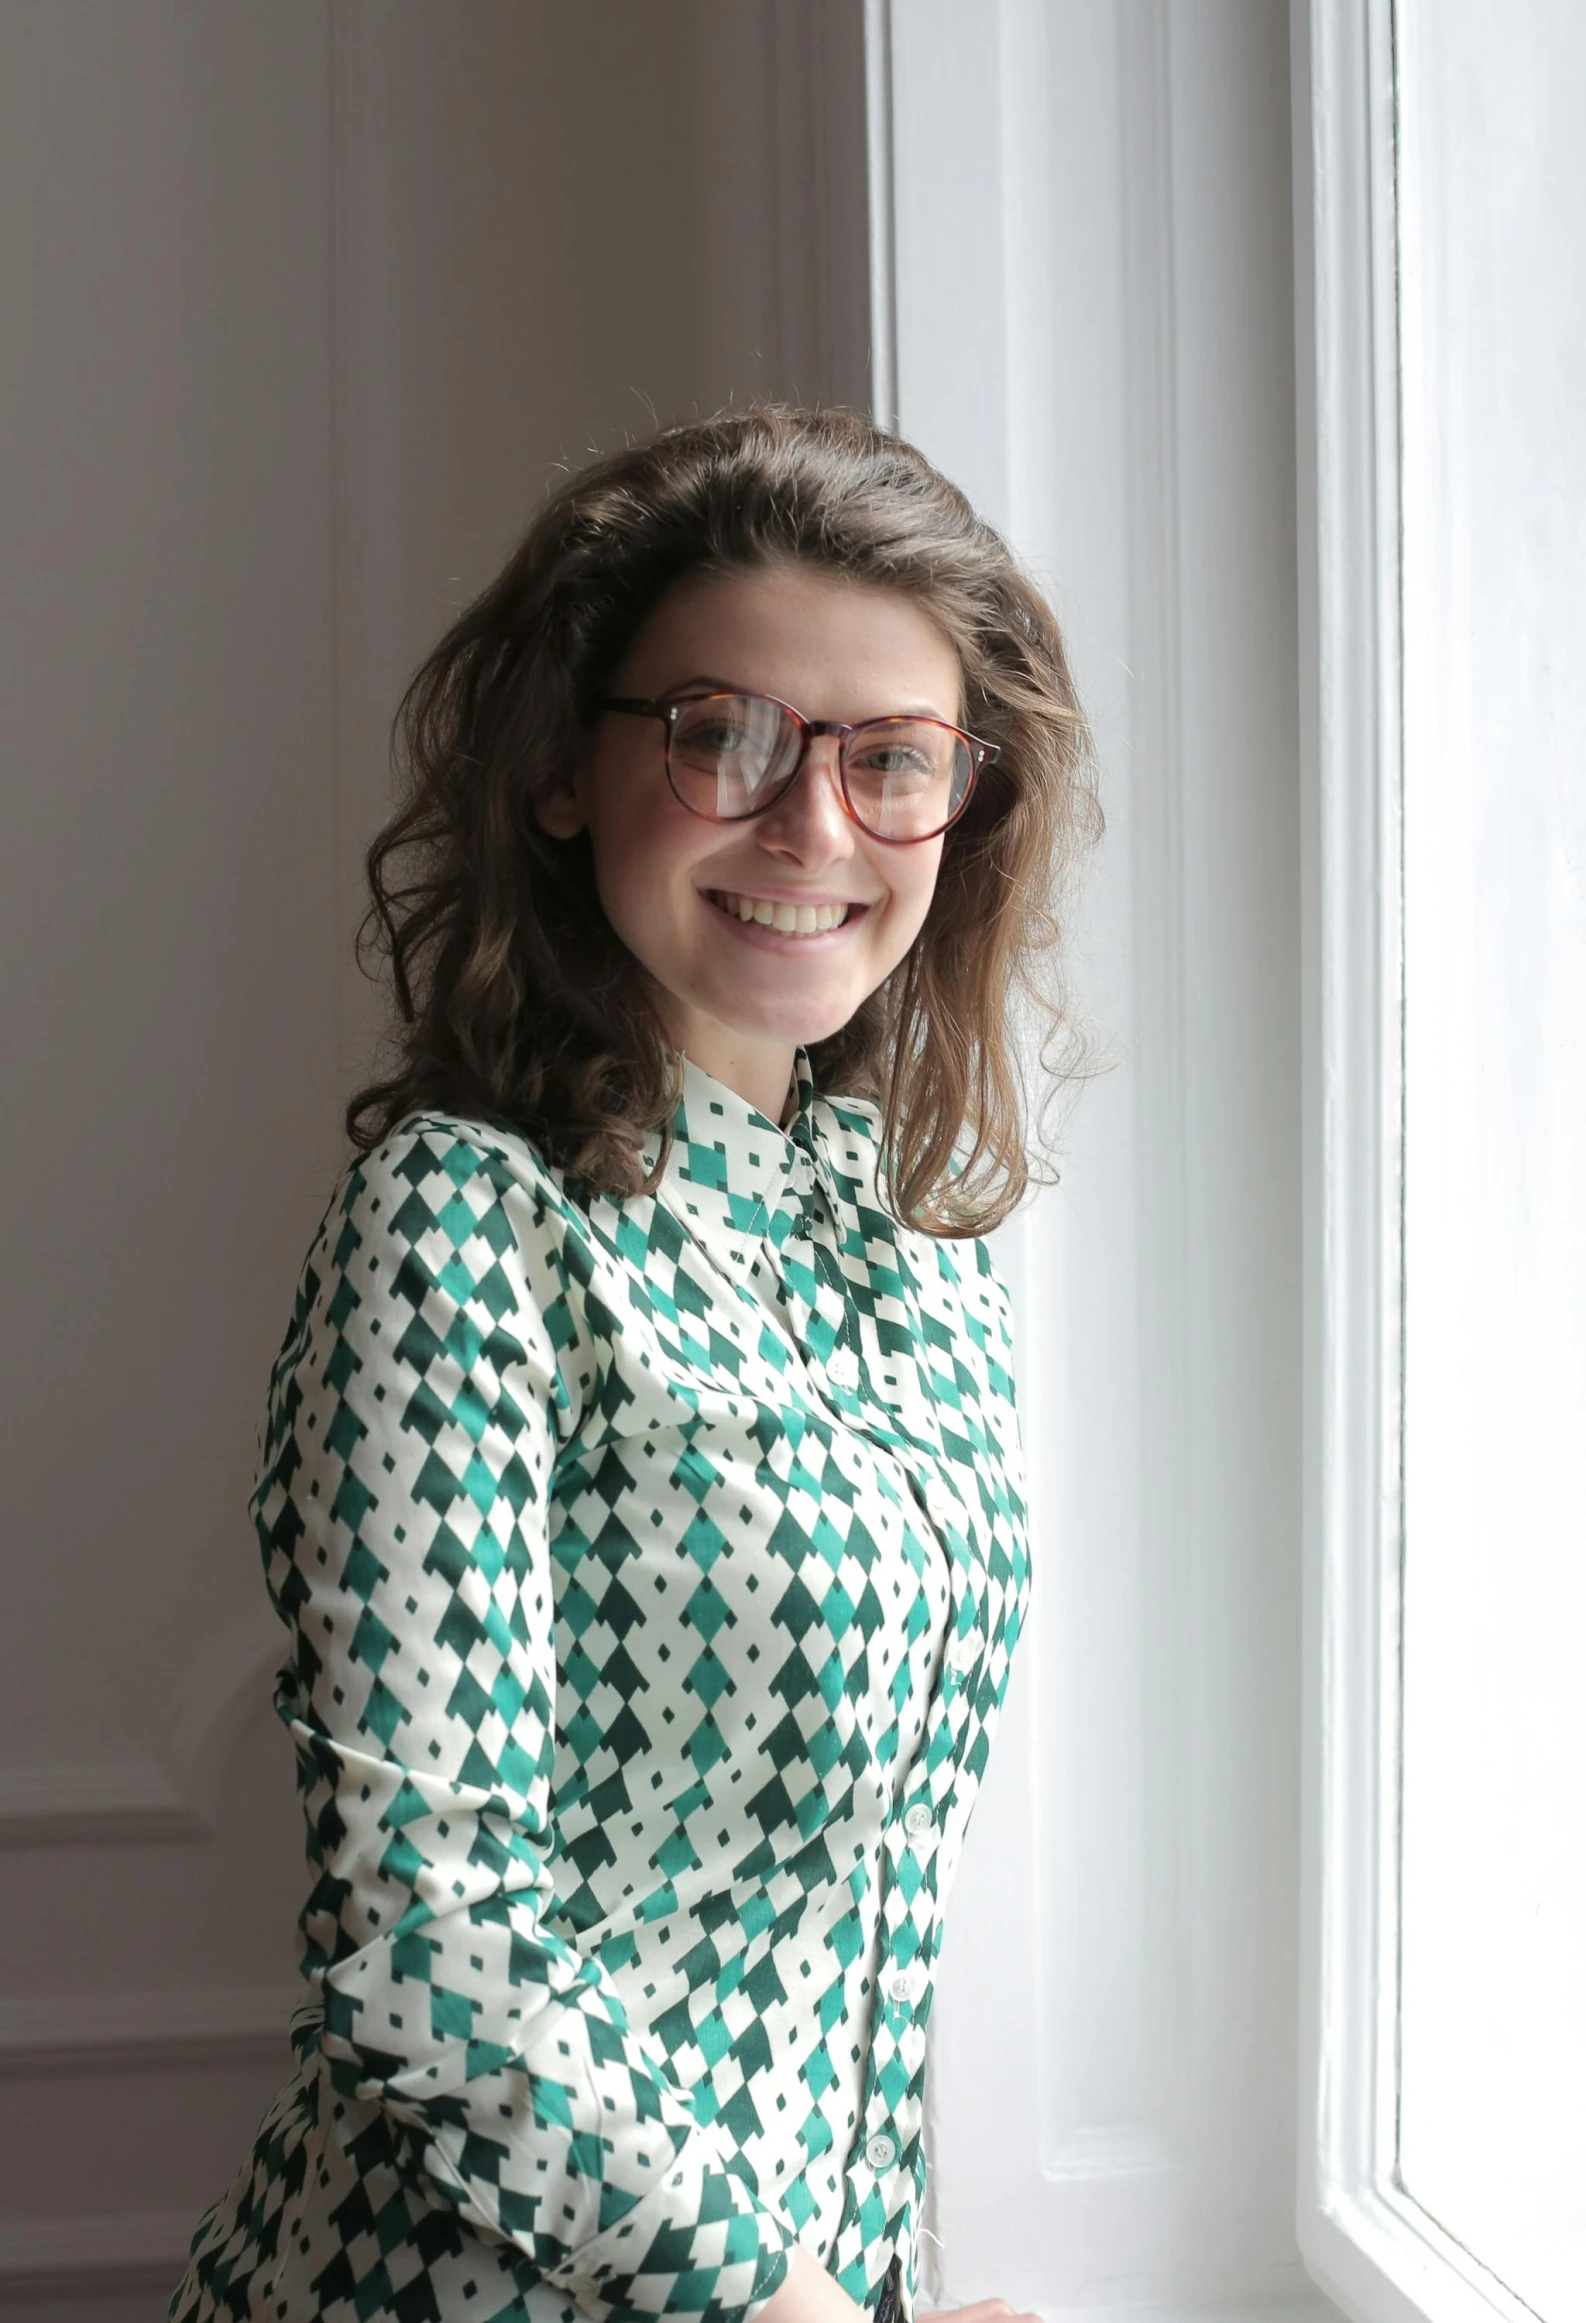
[{"x": 783, "y": 918}]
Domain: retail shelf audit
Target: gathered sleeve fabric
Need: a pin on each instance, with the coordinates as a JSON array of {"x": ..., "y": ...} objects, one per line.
[{"x": 440, "y": 1350}]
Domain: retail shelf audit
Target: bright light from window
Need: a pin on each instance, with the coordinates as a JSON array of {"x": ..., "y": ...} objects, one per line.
[{"x": 1493, "y": 252}]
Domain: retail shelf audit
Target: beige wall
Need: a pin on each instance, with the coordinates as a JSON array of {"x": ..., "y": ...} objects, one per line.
[{"x": 301, "y": 307}]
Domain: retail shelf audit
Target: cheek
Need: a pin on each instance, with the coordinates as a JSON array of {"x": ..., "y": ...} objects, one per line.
[
  {"x": 623, "y": 834},
  {"x": 913, "y": 888},
  {"x": 643, "y": 849}
]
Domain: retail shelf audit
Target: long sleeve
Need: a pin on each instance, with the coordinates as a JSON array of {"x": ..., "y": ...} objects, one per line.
[
  {"x": 439, "y": 1350},
  {"x": 652, "y": 1566}
]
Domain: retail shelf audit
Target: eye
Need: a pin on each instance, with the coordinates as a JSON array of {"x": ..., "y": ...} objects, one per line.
[
  {"x": 713, "y": 734},
  {"x": 892, "y": 758},
  {"x": 728, "y": 726},
  {"x": 898, "y": 755}
]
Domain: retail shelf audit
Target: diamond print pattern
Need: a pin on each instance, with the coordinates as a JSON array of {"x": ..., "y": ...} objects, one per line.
[{"x": 651, "y": 1572}]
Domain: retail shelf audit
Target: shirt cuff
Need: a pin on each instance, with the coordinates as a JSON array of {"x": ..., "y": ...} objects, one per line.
[{"x": 698, "y": 2248}]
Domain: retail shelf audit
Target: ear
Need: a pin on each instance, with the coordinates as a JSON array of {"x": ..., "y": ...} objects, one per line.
[{"x": 560, "y": 812}]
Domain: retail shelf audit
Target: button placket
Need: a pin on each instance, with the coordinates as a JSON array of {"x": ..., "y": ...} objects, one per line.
[
  {"x": 941, "y": 1503},
  {"x": 963, "y": 1651},
  {"x": 905, "y": 1984},
  {"x": 832, "y": 1328}
]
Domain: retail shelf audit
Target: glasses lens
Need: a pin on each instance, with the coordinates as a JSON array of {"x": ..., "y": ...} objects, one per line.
[
  {"x": 907, "y": 777},
  {"x": 730, "y": 752}
]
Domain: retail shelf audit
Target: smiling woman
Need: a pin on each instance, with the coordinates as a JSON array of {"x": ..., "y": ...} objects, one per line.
[
  {"x": 641, "y": 1487},
  {"x": 831, "y": 558},
  {"x": 726, "y": 912}
]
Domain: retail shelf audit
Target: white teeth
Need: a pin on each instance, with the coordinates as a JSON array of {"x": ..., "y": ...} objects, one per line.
[{"x": 788, "y": 919}]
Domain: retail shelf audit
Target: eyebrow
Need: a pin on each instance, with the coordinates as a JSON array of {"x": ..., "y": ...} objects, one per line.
[{"x": 718, "y": 685}]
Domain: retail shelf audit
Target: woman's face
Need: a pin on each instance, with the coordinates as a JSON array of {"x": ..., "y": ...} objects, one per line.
[{"x": 735, "y": 995}]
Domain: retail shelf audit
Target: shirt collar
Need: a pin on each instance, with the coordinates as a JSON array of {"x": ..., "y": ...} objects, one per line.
[
  {"x": 730, "y": 1164},
  {"x": 731, "y": 1168}
]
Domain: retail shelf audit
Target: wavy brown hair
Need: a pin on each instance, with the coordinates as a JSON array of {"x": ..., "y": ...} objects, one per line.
[{"x": 517, "y": 1003}]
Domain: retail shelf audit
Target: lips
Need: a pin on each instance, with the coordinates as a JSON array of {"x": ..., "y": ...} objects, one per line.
[{"x": 784, "y": 918}]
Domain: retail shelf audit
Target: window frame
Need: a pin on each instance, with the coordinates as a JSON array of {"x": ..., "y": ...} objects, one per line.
[{"x": 1365, "y": 2241}]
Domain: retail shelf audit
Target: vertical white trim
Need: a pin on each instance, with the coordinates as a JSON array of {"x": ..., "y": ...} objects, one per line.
[
  {"x": 1165, "y": 978},
  {"x": 1350, "y": 773}
]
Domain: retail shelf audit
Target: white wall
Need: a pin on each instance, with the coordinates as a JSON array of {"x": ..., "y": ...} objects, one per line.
[{"x": 302, "y": 307}]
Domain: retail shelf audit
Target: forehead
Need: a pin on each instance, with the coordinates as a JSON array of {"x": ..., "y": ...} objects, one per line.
[{"x": 832, "y": 646}]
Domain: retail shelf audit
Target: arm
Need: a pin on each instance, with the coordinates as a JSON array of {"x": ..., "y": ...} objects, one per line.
[{"x": 436, "y": 1352}]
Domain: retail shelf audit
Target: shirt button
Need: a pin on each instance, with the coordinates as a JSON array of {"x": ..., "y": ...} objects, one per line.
[
  {"x": 842, "y": 1369},
  {"x": 939, "y": 1502},
  {"x": 918, "y": 1820},
  {"x": 904, "y": 1985},
  {"x": 962, "y": 1651},
  {"x": 881, "y": 2151}
]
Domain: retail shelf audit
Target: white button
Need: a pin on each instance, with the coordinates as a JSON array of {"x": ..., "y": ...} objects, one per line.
[
  {"x": 881, "y": 2152},
  {"x": 918, "y": 1820},
  {"x": 939, "y": 1502},
  {"x": 962, "y": 1651},
  {"x": 905, "y": 1985},
  {"x": 842, "y": 1369}
]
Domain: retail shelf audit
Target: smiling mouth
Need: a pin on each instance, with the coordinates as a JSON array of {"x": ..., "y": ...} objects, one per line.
[{"x": 785, "y": 919}]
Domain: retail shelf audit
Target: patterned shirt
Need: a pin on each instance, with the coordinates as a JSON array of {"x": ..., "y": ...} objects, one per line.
[{"x": 652, "y": 1569}]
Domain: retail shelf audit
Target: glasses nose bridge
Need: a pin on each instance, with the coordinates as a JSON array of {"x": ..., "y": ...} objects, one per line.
[{"x": 811, "y": 730}]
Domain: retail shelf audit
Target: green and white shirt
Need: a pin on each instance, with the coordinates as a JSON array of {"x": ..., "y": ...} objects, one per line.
[{"x": 652, "y": 1569}]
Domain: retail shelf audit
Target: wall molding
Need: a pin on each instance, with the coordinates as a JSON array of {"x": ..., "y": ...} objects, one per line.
[
  {"x": 174, "y": 1795},
  {"x": 93, "y": 1802},
  {"x": 143, "y": 2252},
  {"x": 105, "y": 2032}
]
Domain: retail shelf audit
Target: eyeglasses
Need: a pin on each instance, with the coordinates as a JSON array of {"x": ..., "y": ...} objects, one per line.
[{"x": 731, "y": 756}]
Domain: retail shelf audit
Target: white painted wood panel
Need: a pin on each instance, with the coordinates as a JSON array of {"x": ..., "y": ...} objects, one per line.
[{"x": 1089, "y": 220}]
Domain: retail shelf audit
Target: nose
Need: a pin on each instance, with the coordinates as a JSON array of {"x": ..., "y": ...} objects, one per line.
[{"x": 810, "y": 823}]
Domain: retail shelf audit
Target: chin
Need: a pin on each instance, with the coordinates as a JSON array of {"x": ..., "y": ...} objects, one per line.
[
  {"x": 782, "y": 1017},
  {"x": 802, "y": 1031}
]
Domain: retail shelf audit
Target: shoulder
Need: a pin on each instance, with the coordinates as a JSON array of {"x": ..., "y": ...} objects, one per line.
[
  {"x": 441, "y": 1173},
  {"x": 965, "y": 1263},
  {"x": 450, "y": 1243},
  {"x": 452, "y": 1213}
]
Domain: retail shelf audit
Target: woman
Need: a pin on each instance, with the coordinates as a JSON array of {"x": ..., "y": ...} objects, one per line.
[{"x": 640, "y": 1485}]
